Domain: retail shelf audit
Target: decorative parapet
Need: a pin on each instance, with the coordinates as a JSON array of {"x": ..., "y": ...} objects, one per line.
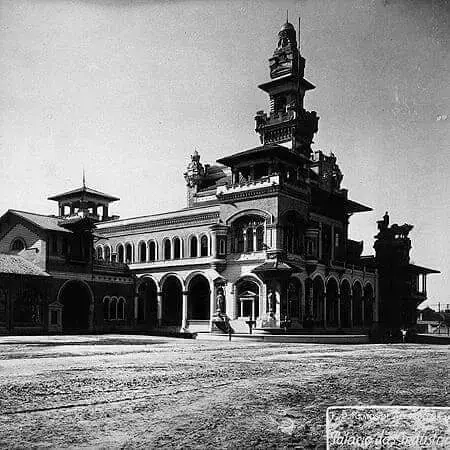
[
  {"x": 269, "y": 181},
  {"x": 109, "y": 266}
]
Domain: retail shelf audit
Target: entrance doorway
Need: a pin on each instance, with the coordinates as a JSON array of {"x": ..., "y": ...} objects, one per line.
[
  {"x": 76, "y": 298},
  {"x": 172, "y": 294}
]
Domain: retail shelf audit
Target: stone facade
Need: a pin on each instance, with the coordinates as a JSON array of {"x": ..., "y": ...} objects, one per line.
[{"x": 262, "y": 244}]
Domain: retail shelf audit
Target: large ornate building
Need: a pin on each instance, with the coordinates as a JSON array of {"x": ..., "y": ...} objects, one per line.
[{"x": 262, "y": 242}]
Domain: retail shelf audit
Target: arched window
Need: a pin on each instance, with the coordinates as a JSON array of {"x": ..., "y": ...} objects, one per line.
[
  {"x": 129, "y": 253},
  {"x": 177, "y": 248},
  {"x": 193, "y": 247},
  {"x": 107, "y": 254},
  {"x": 222, "y": 246},
  {"x": 240, "y": 240},
  {"x": 18, "y": 245},
  {"x": 152, "y": 251},
  {"x": 260, "y": 238},
  {"x": 113, "y": 308},
  {"x": 99, "y": 253},
  {"x": 106, "y": 308},
  {"x": 167, "y": 249},
  {"x": 245, "y": 227},
  {"x": 121, "y": 309},
  {"x": 2, "y": 305},
  {"x": 204, "y": 246},
  {"x": 120, "y": 253},
  {"x": 250, "y": 236},
  {"x": 142, "y": 252}
]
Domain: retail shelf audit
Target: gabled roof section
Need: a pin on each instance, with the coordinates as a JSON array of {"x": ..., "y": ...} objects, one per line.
[
  {"x": 13, "y": 264},
  {"x": 419, "y": 269},
  {"x": 51, "y": 223},
  {"x": 272, "y": 150},
  {"x": 77, "y": 193}
]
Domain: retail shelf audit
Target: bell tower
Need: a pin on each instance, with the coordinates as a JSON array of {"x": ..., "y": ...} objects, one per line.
[{"x": 287, "y": 121}]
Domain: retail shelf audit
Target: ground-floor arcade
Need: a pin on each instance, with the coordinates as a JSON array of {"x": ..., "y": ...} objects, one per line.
[{"x": 195, "y": 300}]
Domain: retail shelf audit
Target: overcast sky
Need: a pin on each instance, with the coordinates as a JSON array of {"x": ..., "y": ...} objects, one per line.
[{"x": 128, "y": 89}]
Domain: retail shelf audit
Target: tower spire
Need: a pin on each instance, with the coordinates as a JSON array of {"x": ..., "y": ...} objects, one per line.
[
  {"x": 84, "y": 179},
  {"x": 287, "y": 16}
]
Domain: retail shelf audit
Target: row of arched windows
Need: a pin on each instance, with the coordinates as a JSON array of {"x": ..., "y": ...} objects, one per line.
[
  {"x": 148, "y": 251},
  {"x": 113, "y": 308}
]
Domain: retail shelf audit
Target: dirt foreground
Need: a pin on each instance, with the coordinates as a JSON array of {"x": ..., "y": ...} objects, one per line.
[{"x": 145, "y": 392}]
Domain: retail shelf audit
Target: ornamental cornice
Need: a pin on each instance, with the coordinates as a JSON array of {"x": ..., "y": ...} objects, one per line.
[
  {"x": 198, "y": 219},
  {"x": 250, "y": 194}
]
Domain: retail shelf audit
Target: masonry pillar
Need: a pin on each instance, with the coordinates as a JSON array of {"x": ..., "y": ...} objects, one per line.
[
  {"x": 351, "y": 310},
  {"x": 214, "y": 244},
  {"x": 339, "y": 309},
  {"x": 184, "y": 310},
  {"x": 324, "y": 309},
  {"x": 159, "y": 311}
]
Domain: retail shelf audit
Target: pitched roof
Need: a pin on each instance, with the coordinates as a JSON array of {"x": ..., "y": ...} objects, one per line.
[
  {"x": 14, "y": 264},
  {"x": 40, "y": 220},
  {"x": 83, "y": 190},
  {"x": 263, "y": 150}
]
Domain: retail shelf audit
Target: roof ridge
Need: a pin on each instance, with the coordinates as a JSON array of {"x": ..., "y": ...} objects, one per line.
[{"x": 35, "y": 214}]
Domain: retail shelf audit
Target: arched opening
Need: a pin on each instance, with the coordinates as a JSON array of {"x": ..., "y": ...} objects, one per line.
[
  {"x": 76, "y": 298},
  {"x": 293, "y": 232},
  {"x": 250, "y": 236},
  {"x": 172, "y": 301},
  {"x": 128, "y": 253},
  {"x": 167, "y": 249},
  {"x": 107, "y": 254},
  {"x": 294, "y": 297},
  {"x": 147, "y": 308},
  {"x": 113, "y": 308},
  {"x": 18, "y": 245},
  {"x": 244, "y": 233},
  {"x": 204, "y": 246},
  {"x": 357, "y": 305},
  {"x": 152, "y": 251},
  {"x": 368, "y": 304},
  {"x": 318, "y": 301},
  {"x": 346, "y": 303},
  {"x": 199, "y": 299},
  {"x": 121, "y": 309},
  {"x": 99, "y": 253},
  {"x": 106, "y": 301},
  {"x": 193, "y": 247},
  {"x": 332, "y": 303},
  {"x": 177, "y": 248},
  {"x": 260, "y": 238},
  {"x": 120, "y": 253},
  {"x": 142, "y": 252},
  {"x": 247, "y": 295}
]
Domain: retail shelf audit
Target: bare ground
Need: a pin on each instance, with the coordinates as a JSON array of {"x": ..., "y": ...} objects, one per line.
[{"x": 144, "y": 392}]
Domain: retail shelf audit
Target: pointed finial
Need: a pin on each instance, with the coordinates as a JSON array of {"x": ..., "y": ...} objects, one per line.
[
  {"x": 287, "y": 16},
  {"x": 84, "y": 179},
  {"x": 298, "y": 33}
]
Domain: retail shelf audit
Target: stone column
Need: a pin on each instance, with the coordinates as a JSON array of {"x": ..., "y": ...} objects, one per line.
[
  {"x": 212, "y": 304},
  {"x": 159, "y": 311},
  {"x": 254, "y": 239},
  {"x": 184, "y": 310},
  {"x": 245, "y": 239},
  {"x": 351, "y": 310},
  {"x": 363, "y": 307},
  {"x": 213, "y": 244},
  {"x": 339, "y": 310},
  {"x": 253, "y": 309},
  {"x": 324, "y": 303}
]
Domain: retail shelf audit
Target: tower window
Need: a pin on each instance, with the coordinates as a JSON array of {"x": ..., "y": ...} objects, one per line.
[
  {"x": 204, "y": 246},
  {"x": 18, "y": 245}
]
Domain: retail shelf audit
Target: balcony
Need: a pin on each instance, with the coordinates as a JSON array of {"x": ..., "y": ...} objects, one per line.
[{"x": 238, "y": 188}]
